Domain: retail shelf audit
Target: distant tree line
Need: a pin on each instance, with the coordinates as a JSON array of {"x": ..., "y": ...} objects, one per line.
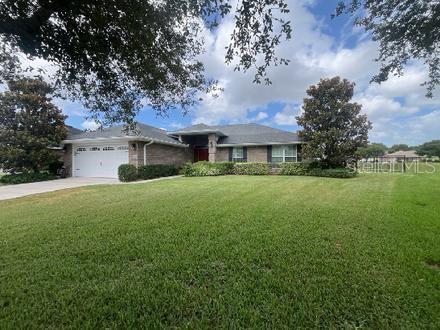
[{"x": 430, "y": 149}]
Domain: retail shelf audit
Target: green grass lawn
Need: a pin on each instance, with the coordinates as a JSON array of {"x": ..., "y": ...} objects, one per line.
[{"x": 225, "y": 252}]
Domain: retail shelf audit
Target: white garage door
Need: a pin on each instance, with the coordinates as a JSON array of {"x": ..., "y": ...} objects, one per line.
[{"x": 99, "y": 160}]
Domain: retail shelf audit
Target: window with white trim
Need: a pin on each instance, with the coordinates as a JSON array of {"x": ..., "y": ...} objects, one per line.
[
  {"x": 108, "y": 148},
  {"x": 81, "y": 149},
  {"x": 284, "y": 153},
  {"x": 95, "y": 149},
  {"x": 237, "y": 154}
]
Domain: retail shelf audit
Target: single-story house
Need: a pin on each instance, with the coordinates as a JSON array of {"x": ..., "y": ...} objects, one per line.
[
  {"x": 99, "y": 153},
  {"x": 408, "y": 155}
]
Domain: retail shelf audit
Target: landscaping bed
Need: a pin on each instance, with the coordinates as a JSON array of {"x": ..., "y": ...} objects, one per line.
[
  {"x": 128, "y": 172},
  {"x": 25, "y": 178},
  {"x": 253, "y": 168}
]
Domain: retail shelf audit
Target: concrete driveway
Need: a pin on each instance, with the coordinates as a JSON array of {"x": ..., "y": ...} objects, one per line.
[{"x": 25, "y": 189}]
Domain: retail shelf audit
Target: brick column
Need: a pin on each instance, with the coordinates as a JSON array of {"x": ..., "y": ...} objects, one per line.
[
  {"x": 136, "y": 153},
  {"x": 212, "y": 146}
]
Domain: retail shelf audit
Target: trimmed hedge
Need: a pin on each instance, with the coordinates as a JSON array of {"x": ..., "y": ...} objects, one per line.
[
  {"x": 26, "y": 177},
  {"x": 313, "y": 169},
  {"x": 147, "y": 172},
  {"x": 293, "y": 169},
  {"x": 127, "y": 173},
  {"x": 251, "y": 168},
  {"x": 205, "y": 168},
  {"x": 225, "y": 167}
]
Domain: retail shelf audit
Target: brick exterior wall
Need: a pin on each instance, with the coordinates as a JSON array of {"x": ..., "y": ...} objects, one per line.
[
  {"x": 136, "y": 153},
  {"x": 165, "y": 154},
  {"x": 67, "y": 158},
  {"x": 257, "y": 154},
  {"x": 158, "y": 154},
  {"x": 222, "y": 155}
]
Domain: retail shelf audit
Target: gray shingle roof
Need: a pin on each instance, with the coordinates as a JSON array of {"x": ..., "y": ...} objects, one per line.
[
  {"x": 229, "y": 134},
  {"x": 406, "y": 153},
  {"x": 245, "y": 134},
  {"x": 73, "y": 130},
  {"x": 141, "y": 130},
  {"x": 197, "y": 129}
]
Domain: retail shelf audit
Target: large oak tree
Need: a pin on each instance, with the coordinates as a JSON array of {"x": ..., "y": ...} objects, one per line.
[
  {"x": 116, "y": 55},
  {"x": 405, "y": 30},
  {"x": 332, "y": 126}
]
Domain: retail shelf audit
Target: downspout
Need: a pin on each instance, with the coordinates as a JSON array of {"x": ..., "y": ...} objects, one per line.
[{"x": 145, "y": 151}]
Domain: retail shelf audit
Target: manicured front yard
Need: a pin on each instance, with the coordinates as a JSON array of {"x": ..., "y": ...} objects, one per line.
[{"x": 225, "y": 252}]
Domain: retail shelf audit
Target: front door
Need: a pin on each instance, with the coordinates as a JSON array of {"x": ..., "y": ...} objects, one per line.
[{"x": 201, "y": 154}]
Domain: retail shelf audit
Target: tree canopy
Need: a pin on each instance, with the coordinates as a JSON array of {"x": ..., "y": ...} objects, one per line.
[
  {"x": 405, "y": 30},
  {"x": 399, "y": 147},
  {"x": 431, "y": 149},
  {"x": 29, "y": 124},
  {"x": 117, "y": 55},
  {"x": 372, "y": 150},
  {"x": 332, "y": 126}
]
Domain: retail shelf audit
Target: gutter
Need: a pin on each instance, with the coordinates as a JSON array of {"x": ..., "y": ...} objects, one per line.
[
  {"x": 257, "y": 144},
  {"x": 145, "y": 151},
  {"x": 124, "y": 138}
]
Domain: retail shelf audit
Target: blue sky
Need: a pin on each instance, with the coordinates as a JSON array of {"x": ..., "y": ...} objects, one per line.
[{"x": 320, "y": 47}]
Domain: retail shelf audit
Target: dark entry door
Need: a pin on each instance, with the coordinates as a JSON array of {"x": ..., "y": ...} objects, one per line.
[{"x": 201, "y": 154}]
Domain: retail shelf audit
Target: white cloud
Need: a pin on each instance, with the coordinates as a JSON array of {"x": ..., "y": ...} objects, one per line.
[
  {"x": 398, "y": 108},
  {"x": 314, "y": 55},
  {"x": 90, "y": 125},
  {"x": 382, "y": 108},
  {"x": 286, "y": 117},
  {"x": 241, "y": 96},
  {"x": 175, "y": 125},
  {"x": 413, "y": 130},
  {"x": 261, "y": 115}
]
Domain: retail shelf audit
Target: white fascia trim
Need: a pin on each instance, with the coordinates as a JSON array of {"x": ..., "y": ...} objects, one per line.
[
  {"x": 123, "y": 138},
  {"x": 256, "y": 144}
]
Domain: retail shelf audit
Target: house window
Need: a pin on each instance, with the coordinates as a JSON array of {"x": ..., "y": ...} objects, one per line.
[
  {"x": 81, "y": 149},
  {"x": 283, "y": 153},
  {"x": 237, "y": 154},
  {"x": 95, "y": 149},
  {"x": 108, "y": 148}
]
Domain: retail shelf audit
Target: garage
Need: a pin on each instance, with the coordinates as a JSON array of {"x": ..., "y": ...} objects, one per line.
[{"x": 99, "y": 160}]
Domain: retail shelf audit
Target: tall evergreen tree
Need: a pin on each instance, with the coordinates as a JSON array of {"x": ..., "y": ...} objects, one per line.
[
  {"x": 332, "y": 126},
  {"x": 29, "y": 124}
]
